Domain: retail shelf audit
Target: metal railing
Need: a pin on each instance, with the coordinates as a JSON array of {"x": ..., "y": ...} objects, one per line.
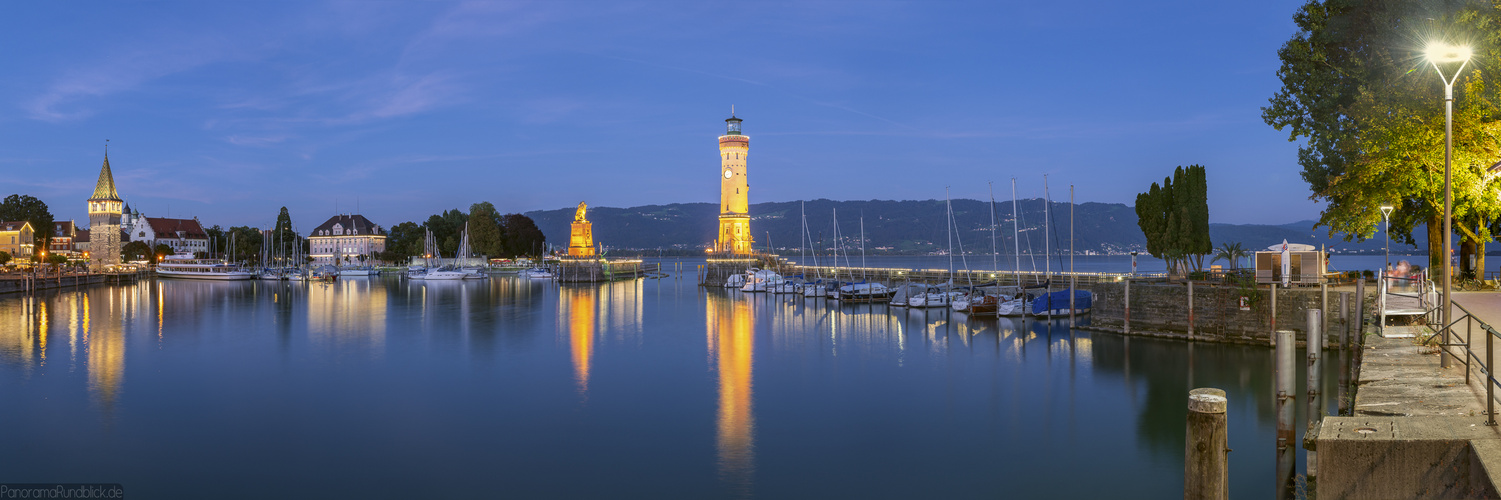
[
  {"x": 1426, "y": 293},
  {"x": 1469, "y": 354}
]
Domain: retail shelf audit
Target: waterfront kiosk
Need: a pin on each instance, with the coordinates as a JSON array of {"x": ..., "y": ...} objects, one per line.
[{"x": 1306, "y": 264}]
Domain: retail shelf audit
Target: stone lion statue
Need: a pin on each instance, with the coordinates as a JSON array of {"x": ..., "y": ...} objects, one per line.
[{"x": 579, "y": 215}]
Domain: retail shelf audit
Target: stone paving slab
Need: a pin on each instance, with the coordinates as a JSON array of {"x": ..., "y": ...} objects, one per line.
[{"x": 1400, "y": 378}]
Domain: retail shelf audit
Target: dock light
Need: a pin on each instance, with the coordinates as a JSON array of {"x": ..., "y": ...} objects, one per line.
[{"x": 1445, "y": 53}]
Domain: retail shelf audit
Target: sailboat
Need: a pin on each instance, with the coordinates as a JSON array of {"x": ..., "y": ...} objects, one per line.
[
  {"x": 1018, "y": 304},
  {"x": 1052, "y": 304},
  {"x": 445, "y": 273}
]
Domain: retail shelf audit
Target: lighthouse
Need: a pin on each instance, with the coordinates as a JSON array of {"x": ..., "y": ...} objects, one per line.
[
  {"x": 734, "y": 192},
  {"x": 104, "y": 221}
]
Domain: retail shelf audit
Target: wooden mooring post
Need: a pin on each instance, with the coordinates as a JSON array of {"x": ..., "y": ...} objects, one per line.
[
  {"x": 1206, "y": 455},
  {"x": 1314, "y": 341},
  {"x": 1285, "y": 358}
]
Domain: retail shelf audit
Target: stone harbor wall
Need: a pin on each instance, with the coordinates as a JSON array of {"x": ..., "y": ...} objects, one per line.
[{"x": 1220, "y": 312}]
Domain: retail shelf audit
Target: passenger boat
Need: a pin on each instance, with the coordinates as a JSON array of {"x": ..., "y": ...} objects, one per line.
[
  {"x": 539, "y": 273},
  {"x": 203, "y": 269}
]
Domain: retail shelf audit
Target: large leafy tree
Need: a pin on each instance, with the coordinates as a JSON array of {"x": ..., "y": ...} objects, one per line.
[
  {"x": 136, "y": 251},
  {"x": 245, "y": 244},
  {"x": 485, "y": 233},
  {"x": 403, "y": 241},
  {"x": 19, "y": 207},
  {"x": 522, "y": 237},
  {"x": 1370, "y": 110},
  {"x": 1174, "y": 216}
]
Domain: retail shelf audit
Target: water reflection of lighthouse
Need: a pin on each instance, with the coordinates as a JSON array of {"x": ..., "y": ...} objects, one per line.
[{"x": 731, "y": 332}]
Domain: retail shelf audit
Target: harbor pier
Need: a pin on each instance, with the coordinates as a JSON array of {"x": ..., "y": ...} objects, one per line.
[
  {"x": 31, "y": 282},
  {"x": 598, "y": 269}
]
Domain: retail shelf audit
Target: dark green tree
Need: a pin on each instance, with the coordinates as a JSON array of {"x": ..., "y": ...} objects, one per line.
[
  {"x": 522, "y": 236},
  {"x": 160, "y": 251},
  {"x": 284, "y": 237},
  {"x": 136, "y": 251},
  {"x": 19, "y": 207},
  {"x": 485, "y": 234},
  {"x": 4, "y": 258},
  {"x": 403, "y": 242},
  {"x": 1174, "y": 217},
  {"x": 244, "y": 244},
  {"x": 216, "y": 241}
]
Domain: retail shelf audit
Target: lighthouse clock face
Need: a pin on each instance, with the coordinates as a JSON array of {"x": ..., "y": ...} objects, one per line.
[{"x": 728, "y": 174}]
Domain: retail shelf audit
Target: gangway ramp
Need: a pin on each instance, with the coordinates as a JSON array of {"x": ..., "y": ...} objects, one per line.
[{"x": 1406, "y": 297}]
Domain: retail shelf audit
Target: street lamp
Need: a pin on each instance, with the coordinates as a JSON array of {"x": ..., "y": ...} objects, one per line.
[
  {"x": 1386, "y": 212},
  {"x": 1440, "y": 52}
]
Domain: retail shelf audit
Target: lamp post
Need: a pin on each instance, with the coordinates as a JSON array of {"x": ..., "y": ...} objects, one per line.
[
  {"x": 1386, "y": 227},
  {"x": 1439, "y": 52}
]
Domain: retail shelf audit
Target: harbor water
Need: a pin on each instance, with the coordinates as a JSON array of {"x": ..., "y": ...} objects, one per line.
[{"x": 387, "y": 388}]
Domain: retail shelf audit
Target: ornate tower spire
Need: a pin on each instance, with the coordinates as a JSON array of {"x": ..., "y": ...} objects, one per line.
[
  {"x": 104, "y": 221},
  {"x": 104, "y": 190}
]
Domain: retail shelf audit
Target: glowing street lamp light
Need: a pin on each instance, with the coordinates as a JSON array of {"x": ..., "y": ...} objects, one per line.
[
  {"x": 1444, "y": 53},
  {"x": 1386, "y": 212}
]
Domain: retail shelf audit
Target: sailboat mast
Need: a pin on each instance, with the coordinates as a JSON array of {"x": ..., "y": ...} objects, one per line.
[
  {"x": 1016, "y": 233},
  {"x": 995, "y": 251},
  {"x": 1047, "y": 229},
  {"x": 949, "y": 224},
  {"x": 862, "y": 247}
]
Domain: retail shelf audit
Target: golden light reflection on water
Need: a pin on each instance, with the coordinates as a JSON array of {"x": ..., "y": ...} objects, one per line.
[
  {"x": 586, "y": 313},
  {"x": 347, "y": 313},
  {"x": 578, "y": 307},
  {"x": 732, "y": 344},
  {"x": 106, "y": 354}
]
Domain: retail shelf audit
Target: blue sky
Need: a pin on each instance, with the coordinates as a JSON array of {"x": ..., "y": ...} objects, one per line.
[{"x": 228, "y": 111}]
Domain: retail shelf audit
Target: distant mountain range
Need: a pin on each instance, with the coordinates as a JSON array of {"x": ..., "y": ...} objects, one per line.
[{"x": 911, "y": 227}]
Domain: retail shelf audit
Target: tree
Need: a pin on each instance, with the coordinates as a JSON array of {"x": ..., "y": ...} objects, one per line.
[
  {"x": 485, "y": 234},
  {"x": 56, "y": 258},
  {"x": 1174, "y": 216},
  {"x": 245, "y": 244},
  {"x": 136, "y": 251},
  {"x": 161, "y": 250},
  {"x": 522, "y": 236},
  {"x": 403, "y": 241},
  {"x": 4, "y": 257},
  {"x": 283, "y": 236},
  {"x": 1231, "y": 253},
  {"x": 19, "y": 207},
  {"x": 1370, "y": 108},
  {"x": 216, "y": 241}
]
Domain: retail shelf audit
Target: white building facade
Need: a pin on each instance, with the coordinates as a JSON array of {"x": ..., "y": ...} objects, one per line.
[{"x": 343, "y": 239}]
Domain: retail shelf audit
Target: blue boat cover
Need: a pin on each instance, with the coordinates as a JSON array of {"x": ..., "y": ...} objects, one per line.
[{"x": 1058, "y": 301}]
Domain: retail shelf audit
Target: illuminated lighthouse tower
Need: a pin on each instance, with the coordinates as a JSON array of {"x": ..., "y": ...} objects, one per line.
[{"x": 734, "y": 192}]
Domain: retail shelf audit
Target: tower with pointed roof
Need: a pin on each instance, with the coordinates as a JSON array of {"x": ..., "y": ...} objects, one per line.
[{"x": 104, "y": 221}]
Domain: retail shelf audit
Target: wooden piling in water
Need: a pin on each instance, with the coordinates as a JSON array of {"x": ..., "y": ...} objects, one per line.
[
  {"x": 1206, "y": 456},
  {"x": 1285, "y": 357},
  {"x": 1314, "y": 346}
]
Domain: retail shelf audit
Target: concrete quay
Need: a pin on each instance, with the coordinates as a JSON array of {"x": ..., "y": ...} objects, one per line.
[{"x": 1417, "y": 430}]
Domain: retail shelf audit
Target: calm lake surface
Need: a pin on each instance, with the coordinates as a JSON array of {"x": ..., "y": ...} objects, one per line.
[{"x": 385, "y": 388}]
